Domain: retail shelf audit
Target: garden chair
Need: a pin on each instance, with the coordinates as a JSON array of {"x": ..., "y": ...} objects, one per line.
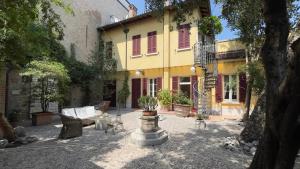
[{"x": 72, "y": 127}]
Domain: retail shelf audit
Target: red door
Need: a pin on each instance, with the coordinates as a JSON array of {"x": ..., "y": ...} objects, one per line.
[{"x": 136, "y": 92}]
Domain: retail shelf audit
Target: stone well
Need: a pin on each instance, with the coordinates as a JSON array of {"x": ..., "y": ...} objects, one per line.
[{"x": 149, "y": 134}]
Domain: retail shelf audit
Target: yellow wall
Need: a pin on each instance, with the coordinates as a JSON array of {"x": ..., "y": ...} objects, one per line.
[
  {"x": 167, "y": 54},
  {"x": 169, "y": 61},
  {"x": 229, "y": 45}
]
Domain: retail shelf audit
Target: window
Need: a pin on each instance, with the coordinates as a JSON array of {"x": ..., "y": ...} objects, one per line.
[
  {"x": 185, "y": 86},
  {"x": 230, "y": 88},
  {"x": 108, "y": 47},
  {"x": 152, "y": 42},
  {"x": 184, "y": 36},
  {"x": 152, "y": 87},
  {"x": 136, "y": 45}
]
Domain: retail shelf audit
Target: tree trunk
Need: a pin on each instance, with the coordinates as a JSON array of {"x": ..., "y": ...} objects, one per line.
[
  {"x": 254, "y": 126},
  {"x": 248, "y": 101},
  {"x": 6, "y": 130},
  {"x": 281, "y": 141}
]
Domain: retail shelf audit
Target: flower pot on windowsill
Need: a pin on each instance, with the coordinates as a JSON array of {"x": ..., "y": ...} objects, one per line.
[
  {"x": 182, "y": 109},
  {"x": 149, "y": 113},
  {"x": 42, "y": 118}
]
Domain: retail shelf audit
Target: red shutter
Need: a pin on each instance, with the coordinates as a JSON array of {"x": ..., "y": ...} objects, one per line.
[
  {"x": 145, "y": 86},
  {"x": 154, "y": 42},
  {"x": 138, "y": 51},
  {"x": 175, "y": 84},
  {"x": 159, "y": 83},
  {"x": 149, "y": 42},
  {"x": 242, "y": 87},
  {"x": 134, "y": 45},
  {"x": 184, "y": 36},
  {"x": 219, "y": 89},
  {"x": 194, "y": 81},
  {"x": 187, "y": 36},
  {"x": 180, "y": 38}
]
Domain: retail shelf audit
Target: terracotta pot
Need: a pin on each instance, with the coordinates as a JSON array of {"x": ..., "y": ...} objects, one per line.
[
  {"x": 165, "y": 108},
  {"x": 149, "y": 113},
  {"x": 41, "y": 118},
  {"x": 182, "y": 110}
]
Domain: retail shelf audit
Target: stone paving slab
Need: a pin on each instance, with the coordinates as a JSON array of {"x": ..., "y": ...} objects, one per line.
[{"x": 187, "y": 148}]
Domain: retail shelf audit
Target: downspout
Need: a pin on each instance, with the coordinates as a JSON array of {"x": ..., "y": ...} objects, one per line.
[{"x": 126, "y": 30}]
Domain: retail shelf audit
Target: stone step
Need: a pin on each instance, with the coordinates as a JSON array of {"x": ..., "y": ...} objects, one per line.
[
  {"x": 141, "y": 141},
  {"x": 151, "y": 135}
]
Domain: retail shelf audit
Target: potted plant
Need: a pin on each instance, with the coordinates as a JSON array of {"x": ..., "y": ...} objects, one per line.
[
  {"x": 182, "y": 104},
  {"x": 165, "y": 99},
  {"x": 200, "y": 123},
  {"x": 149, "y": 105},
  {"x": 49, "y": 81}
]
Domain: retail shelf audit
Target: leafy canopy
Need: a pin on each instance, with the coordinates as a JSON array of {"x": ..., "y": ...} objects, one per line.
[{"x": 20, "y": 23}]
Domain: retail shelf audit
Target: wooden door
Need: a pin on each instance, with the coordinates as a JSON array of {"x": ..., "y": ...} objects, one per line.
[{"x": 135, "y": 92}]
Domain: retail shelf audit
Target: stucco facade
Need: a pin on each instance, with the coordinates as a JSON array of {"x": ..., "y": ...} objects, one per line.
[
  {"x": 169, "y": 61},
  {"x": 81, "y": 28}
]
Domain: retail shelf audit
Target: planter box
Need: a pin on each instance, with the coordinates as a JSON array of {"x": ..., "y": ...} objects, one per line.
[
  {"x": 182, "y": 110},
  {"x": 41, "y": 118}
]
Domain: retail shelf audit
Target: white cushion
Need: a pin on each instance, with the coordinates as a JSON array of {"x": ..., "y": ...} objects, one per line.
[
  {"x": 69, "y": 112},
  {"x": 90, "y": 111},
  {"x": 81, "y": 112}
]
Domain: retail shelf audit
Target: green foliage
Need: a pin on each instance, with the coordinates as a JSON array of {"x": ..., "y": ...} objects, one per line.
[
  {"x": 246, "y": 17},
  {"x": 255, "y": 71},
  {"x": 50, "y": 80},
  {"x": 164, "y": 97},
  {"x": 20, "y": 23},
  {"x": 124, "y": 93},
  {"x": 148, "y": 103},
  {"x": 210, "y": 25},
  {"x": 181, "y": 98}
]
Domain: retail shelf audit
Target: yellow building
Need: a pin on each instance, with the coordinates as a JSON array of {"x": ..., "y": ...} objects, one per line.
[{"x": 158, "y": 54}]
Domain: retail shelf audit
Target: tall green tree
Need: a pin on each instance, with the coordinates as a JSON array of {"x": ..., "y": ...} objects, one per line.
[
  {"x": 18, "y": 23},
  {"x": 281, "y": 139}
]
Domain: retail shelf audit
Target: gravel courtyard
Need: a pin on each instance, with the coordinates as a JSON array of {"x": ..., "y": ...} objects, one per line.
[{"x": 186, "y": 148}]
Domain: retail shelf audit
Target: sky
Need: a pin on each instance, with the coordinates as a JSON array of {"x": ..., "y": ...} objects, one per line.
[{"x": 216, "y": 10}]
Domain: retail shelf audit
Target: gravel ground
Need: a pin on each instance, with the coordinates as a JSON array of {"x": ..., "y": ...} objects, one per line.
[{"x": 187, "y": 148}]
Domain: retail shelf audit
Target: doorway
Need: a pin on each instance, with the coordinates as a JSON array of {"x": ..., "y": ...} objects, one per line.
[{"x": 136, "y": 93}]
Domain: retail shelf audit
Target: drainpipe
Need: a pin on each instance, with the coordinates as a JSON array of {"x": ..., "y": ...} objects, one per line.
[{"x": 126, "y": 30}]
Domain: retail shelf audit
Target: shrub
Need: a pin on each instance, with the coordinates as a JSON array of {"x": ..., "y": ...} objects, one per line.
[
  {"x": 182, "y": 99},
  {"x": 148, "y": 103},
  {"x": 165, "y": 97}
]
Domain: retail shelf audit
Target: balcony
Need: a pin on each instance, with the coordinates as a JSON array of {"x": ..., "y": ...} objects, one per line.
[{"x": 204, "y": 54}]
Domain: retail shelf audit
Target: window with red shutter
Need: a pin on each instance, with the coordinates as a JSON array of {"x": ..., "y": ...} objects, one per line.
[
  {"x": 159, "y": 83},
  {"x": 152, "y": 42},
  {"x": 219, "y": 91},
  {"x": 184, "y": 36},
  {"x": 136, "y": 45},
  {"x": 145, "y": 86},
  {"x": 175, "y": 84}
]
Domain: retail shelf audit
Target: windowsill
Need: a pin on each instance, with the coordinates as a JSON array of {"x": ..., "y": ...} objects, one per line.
[
  {"x": 183, "y": 49},
  {"x": 137, "y": 56},
  {"x": 151, "y": 54},
  {"x": 231, "y": 103}
]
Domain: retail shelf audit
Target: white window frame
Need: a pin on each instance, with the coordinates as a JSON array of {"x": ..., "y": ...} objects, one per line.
[
  {"x": 185, "y": 83},
  {"x": 230, "y": 100},
  {"x": 152, "y": 87}
]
